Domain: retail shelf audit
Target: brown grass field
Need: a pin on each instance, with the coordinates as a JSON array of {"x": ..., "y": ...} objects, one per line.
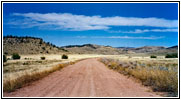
[
  {"x": 17, "y": 73},
  {"x": 159, "y": 73}
]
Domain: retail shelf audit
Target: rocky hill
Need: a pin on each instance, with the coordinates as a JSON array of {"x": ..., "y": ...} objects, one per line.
[{"x": 29, "y": 45}]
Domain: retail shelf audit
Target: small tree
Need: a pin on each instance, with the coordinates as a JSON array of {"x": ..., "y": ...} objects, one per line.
[
  {"x": 153, "y": 56},
  {"x": 4, "y": 58},
  {"x": 64, "y": 56},
  {"x": 42, "y": 58},
  {"x": 16, "y": 56}
]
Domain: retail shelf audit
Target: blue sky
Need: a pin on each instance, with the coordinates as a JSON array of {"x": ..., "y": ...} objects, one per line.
[{"x": 114, "y": 24}]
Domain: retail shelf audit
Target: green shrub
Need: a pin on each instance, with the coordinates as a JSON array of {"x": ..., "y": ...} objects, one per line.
[
  {"x": 4, "y": 58},
  {"x": 42, "y": 58},
  {"x": 173, "y": 55},
  {"x": 16, "y": 56},
  {"x": 153, "y": 56},
  {"x": 64, "y": 56}
]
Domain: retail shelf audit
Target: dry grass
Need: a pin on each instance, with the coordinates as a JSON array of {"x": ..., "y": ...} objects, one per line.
[
  {"x": 17, "y": 73},
  {"x": 161, "y": 75},
  {"x": 12, "y": 84}
]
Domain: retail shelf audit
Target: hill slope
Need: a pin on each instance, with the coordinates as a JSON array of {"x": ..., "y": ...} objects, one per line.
[
  {"x": 92, "y": 49},
  {"x": 147, "y": 49},
  {"x": 173, "y": 49},
  {"x": 29, "y": 45},
  {"x": 97, "y": 49}
]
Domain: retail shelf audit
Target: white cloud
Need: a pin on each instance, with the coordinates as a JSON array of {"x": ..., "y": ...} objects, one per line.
[
  {"x": 67, "y": 21},
  {"x": 146, "y": 30},
  {"x": 123, "y": 37}
]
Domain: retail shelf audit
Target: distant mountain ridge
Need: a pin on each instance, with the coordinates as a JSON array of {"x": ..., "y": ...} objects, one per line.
[
  {"x": 70, "y": 46},
  {"x": 146, "y": 49},
  {"x": 98, "y": 49},
  {"x": 173, "y": 47},
  {"x": 33, "y": 45}
]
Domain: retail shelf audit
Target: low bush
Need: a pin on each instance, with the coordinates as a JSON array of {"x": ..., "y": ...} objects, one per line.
[
  {"x": 153, "y": 56},
  {"x": 64, "y": 56},
  {"x": 42, "y": 58},
  {"x": 16, "y": 56},
  {"x": 4, "y": 58},
  {"x": 173, "y": 55}
]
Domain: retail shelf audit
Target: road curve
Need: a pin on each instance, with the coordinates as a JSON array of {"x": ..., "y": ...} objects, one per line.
[{"x": 87, "y": 78}]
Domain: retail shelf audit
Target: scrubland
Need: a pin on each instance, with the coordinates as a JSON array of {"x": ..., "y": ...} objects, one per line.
[
  {"x": 160, "y": 73},
  {"x": 17, "y": 73}
]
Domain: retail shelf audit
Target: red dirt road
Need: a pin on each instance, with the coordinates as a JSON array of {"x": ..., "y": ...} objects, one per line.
[{"x": 87, "y": 78}]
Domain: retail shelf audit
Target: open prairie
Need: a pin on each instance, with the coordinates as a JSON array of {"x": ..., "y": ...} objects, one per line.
[{"x": 160, "y": 74}]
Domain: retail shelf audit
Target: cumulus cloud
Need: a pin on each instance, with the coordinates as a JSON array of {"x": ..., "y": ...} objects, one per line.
[
  {"x": 123, "y": 37},
  {"x": 146, "y": 30},
  {"x": 71, "y": 22}
]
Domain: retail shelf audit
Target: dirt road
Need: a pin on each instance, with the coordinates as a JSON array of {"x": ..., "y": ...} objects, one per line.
[{"x": 87, "y": 78}]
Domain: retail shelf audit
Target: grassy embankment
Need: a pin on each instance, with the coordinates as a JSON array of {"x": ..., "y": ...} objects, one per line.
[{"x": 160, "y": 74}]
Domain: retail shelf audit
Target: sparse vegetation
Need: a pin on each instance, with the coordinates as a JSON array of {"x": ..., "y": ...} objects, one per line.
[
  {"x": 12, "y": 84},
  {"x": 4, "y": 58},
  {"x": 64, "y": 56},
  {"x": 173, "y": 55},
  {"x": 16, "y": 56},
  {"x": 161, "y": 76},
  {"x": 153, "y": 56},
  {"x": 63, "y": 49},
  {"x": 29, "y": 45},
  {"x": 42, "y": 58},
  {"x": 16, "y": 74}
]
